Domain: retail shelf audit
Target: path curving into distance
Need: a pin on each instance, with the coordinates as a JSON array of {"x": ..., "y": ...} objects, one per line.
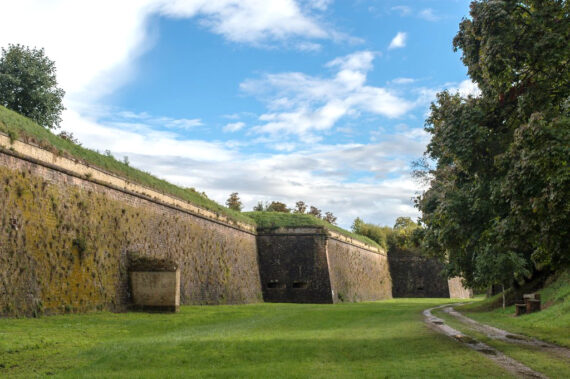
[
  {"x": 513, "y": 366},
  {"x": 503, "y": 335}
]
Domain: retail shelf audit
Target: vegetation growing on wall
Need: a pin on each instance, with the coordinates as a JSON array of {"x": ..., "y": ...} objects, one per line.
[
  {"x": 20, "y": 127},
  {"x": 405, "y": 235},
  {"x": 65, "y": 247},
  {"x": 280, "y": 219}
]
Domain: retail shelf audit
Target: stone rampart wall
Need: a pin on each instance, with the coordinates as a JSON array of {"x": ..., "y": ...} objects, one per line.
[
  {"x": 65, "y": 240},
  {"x": 309, "y": 265},
  {"x": 293, "y": 265},
  {"x": 357, "y": 273},
  {"x": 416, "y": 276}
]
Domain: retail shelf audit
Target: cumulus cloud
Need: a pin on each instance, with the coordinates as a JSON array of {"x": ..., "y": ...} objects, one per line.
[
  {"x": 234, "y": 126},
  {"x": 321, "y": 176},
  {"x": 94, "y": 43},
  {"x": 398, "y": 41},
  {"x": 302, "y": 105}
]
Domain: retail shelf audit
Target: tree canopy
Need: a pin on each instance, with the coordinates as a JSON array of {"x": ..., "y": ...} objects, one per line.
[
  {"x": 28, "y": 85},
  {"x": 497, "y": 207},
  {"x": 234, "y": 202}
]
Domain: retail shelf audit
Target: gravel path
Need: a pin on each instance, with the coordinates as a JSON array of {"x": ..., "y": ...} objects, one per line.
[
  {"x": 511, "y": 365},
  {"x": 503, "y": 335}
]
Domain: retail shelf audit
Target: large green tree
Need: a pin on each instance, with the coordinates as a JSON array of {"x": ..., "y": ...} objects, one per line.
[
  {"x": 497, "y": 207},
  {"x": 28, "y": 85}
]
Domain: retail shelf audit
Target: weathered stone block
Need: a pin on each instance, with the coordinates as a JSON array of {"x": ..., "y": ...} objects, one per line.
[
  {"x": 457, "y": 290},
  {"x": 156, "y": 290}
]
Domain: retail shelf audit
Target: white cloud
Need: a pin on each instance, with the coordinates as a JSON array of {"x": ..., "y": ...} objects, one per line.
[
  {"x": 402, "y": 9},
  {"x": 398, "y": 41},
  {"x": 250, "y": 21},
  {"x": 302, "y": 105},
  {"x": 234, "y": 126},
  {"x": 429, "y": 15},
  {"x": 127, "y": 138},
  {"x": 468, "y": 88},
  {"x": 308, "y": 46},
  {"x": 402, "y": 81},
  {"x": 164, "y": 122},
  {"x": 94, "y": 43},
  {"x": 320, "y": 176}
]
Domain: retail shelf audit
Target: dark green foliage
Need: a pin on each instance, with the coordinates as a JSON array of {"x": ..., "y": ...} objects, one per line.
[
  {"x": 497, "y": 206},
  {"x": 315, "y": 212},
  {"x": 277, "y": 206},
  {"x": 233, "y": 202},
  {"x": 330, "y": 218},
  {"x": 300, "y": 207},
  {"x": 28, "y": 85},
  {"x": 379, "y": 234}
]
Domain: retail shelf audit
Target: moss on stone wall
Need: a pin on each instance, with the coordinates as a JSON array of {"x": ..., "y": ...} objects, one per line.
[
  {"x": 357, "y": 274},
  {"x": 65, "y": 242}
]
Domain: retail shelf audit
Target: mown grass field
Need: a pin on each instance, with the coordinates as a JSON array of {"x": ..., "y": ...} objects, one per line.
[
  {"x": 548, "y": 364},
  {"x": 379, "y": 339}
]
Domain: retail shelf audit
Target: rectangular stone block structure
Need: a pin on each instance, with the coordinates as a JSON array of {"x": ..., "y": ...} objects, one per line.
[
  {"x": 457, "y": 290},
  {"x": 311, "y": 265},
  {"x": 156, "y": 291}
]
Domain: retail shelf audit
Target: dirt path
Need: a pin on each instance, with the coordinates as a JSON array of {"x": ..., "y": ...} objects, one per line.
[
  {"x": 511, "y": 365},
  {"x": 503, "y": 335}
]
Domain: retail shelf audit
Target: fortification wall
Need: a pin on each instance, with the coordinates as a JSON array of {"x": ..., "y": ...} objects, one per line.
[
  {"x": 312, "y": 265},
  {"x": 293, "y": 265},
  {"x": 416, "y": 276},
  {"x": 357, "y": 273},
  {"x": 65, "y": 239}
]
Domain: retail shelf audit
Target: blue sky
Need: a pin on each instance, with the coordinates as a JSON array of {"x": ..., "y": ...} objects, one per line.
[{"x": 322, "y": 101}]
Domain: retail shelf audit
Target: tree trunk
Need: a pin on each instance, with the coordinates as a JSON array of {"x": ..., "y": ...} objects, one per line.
[{"x": 503, "y": 287}]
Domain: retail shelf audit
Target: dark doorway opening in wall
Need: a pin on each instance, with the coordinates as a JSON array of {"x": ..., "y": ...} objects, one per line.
[
  {"x": 300, "y": 285},
  {"x": 275, "y": 284}
]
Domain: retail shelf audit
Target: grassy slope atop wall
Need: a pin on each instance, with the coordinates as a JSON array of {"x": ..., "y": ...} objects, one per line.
[
  {"x": 19, "y": 127},
  {"x": 280, "y": 219}
]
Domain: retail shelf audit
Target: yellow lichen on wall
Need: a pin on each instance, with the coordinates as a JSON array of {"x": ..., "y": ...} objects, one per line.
[{"x": 66, "y": 240}]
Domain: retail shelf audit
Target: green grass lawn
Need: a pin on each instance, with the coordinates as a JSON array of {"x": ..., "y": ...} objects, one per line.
[
  {"x": 551, "y": 324},
  {"x": 551, "y": 366},
  {"x": 379, "y": 339}
]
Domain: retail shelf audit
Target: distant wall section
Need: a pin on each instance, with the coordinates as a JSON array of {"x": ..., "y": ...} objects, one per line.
[
  {"x": 416, "y": 276},
  {"x": 293, "y": 265},
  {"x": 357, "y": 273},
  {"x": 313, "y": 265}
]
